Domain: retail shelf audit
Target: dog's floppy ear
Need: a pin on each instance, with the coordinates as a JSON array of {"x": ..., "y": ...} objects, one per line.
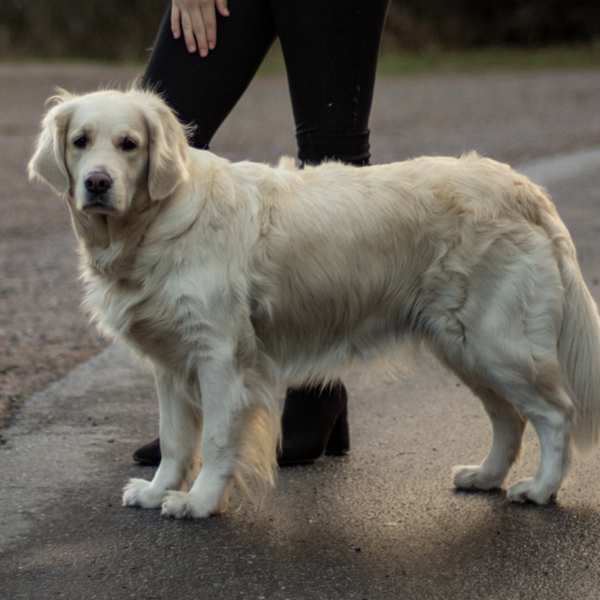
[
  {"x": 48, "y": 161},
  {"x": 168, "y": 149}
]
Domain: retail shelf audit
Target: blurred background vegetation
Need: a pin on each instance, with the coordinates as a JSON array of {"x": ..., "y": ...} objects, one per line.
[{"x": 124, "y": 30}]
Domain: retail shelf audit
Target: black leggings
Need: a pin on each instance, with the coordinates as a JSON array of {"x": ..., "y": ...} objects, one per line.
[{"x": 330, "y": 49}]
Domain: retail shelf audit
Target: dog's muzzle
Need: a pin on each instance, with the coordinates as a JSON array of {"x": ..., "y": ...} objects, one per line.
[{"x": 97, "y": 192}]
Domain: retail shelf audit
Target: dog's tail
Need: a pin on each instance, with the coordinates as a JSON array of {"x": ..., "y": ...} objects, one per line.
[
  {"x": 579, "y": 349},
  {"x": 579, "y": 337}
]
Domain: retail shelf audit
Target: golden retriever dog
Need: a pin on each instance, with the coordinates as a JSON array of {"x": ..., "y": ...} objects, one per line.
[{"x": 232, "y": 279}]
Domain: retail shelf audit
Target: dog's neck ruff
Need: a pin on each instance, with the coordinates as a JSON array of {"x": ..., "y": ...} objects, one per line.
[{"x": 109, "y": 244}]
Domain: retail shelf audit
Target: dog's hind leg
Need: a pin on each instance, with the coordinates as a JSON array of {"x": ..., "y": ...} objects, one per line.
[
  {"x": 508, "y": 426},
  {"x": 511, "y": 346},
  {"x": 535, "y": 391},
  {"x": 552, "y": 419},
  {"x": 180, "y": 422},
  {"x": 545, "y": 404}
]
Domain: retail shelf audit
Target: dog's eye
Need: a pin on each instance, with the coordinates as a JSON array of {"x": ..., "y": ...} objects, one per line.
[
  {"x": 129, "y": 145},
  {"x": 80, "y": 142}
]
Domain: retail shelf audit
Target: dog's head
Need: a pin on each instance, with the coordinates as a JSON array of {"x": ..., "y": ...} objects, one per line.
[{"x": 106, "y": 148}]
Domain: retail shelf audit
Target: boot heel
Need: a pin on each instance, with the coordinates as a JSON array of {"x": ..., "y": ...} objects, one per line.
[
  {"x": 314, "y": 422},
  {"x": 339, "y": 439}
]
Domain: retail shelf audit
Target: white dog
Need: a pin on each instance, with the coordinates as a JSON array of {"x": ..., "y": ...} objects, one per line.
[{"x": 232, "y": 278}]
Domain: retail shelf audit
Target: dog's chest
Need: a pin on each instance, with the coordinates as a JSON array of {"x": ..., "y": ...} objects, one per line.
[{"x": 161, "y": 324}]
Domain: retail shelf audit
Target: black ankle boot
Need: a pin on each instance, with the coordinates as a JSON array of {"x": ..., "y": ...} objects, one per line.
[
  {"x": 148, "y": 454},
  {"x": 314, "y": 421}
]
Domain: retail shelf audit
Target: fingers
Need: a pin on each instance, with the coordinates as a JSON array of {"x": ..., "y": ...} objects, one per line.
[
  {"x": 222, "y": 7},
  {"x": 196, "y": 25},
  {"x": 175, "y": 21},
  {"x": 197, "y": 20}
]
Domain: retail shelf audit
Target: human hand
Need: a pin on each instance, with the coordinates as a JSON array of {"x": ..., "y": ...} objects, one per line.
[{"x": 197, "y": 19}]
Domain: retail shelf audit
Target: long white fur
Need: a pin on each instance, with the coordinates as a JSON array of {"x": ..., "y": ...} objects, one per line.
[{"x": 233, "y": 278}]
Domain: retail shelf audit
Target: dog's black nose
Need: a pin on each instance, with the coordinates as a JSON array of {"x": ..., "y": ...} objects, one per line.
[{"x": 98, "y": 182}]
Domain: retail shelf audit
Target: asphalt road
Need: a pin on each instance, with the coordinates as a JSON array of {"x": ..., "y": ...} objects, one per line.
[{"x": 383, "y": 522}]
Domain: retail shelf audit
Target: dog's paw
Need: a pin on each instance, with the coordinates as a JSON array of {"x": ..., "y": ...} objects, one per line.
[
  {"x": 183, "y": 505},
  {"x": 528, "y": 490},
  {"x": 474, "y": 477},
  {"x": 139, "y": 492}
]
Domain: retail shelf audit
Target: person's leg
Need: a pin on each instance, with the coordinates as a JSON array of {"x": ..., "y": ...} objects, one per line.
[
  {"x": 203, "y": 91},
  {"x": 330, "y": 49}
]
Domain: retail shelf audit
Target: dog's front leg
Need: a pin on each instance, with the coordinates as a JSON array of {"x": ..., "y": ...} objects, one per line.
[
  {"x": 180, "y": 421},
  {"x": 222, "y": 393}
]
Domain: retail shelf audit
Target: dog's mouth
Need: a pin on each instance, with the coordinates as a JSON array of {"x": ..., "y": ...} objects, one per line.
[{"x": 98, "y": 204}]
